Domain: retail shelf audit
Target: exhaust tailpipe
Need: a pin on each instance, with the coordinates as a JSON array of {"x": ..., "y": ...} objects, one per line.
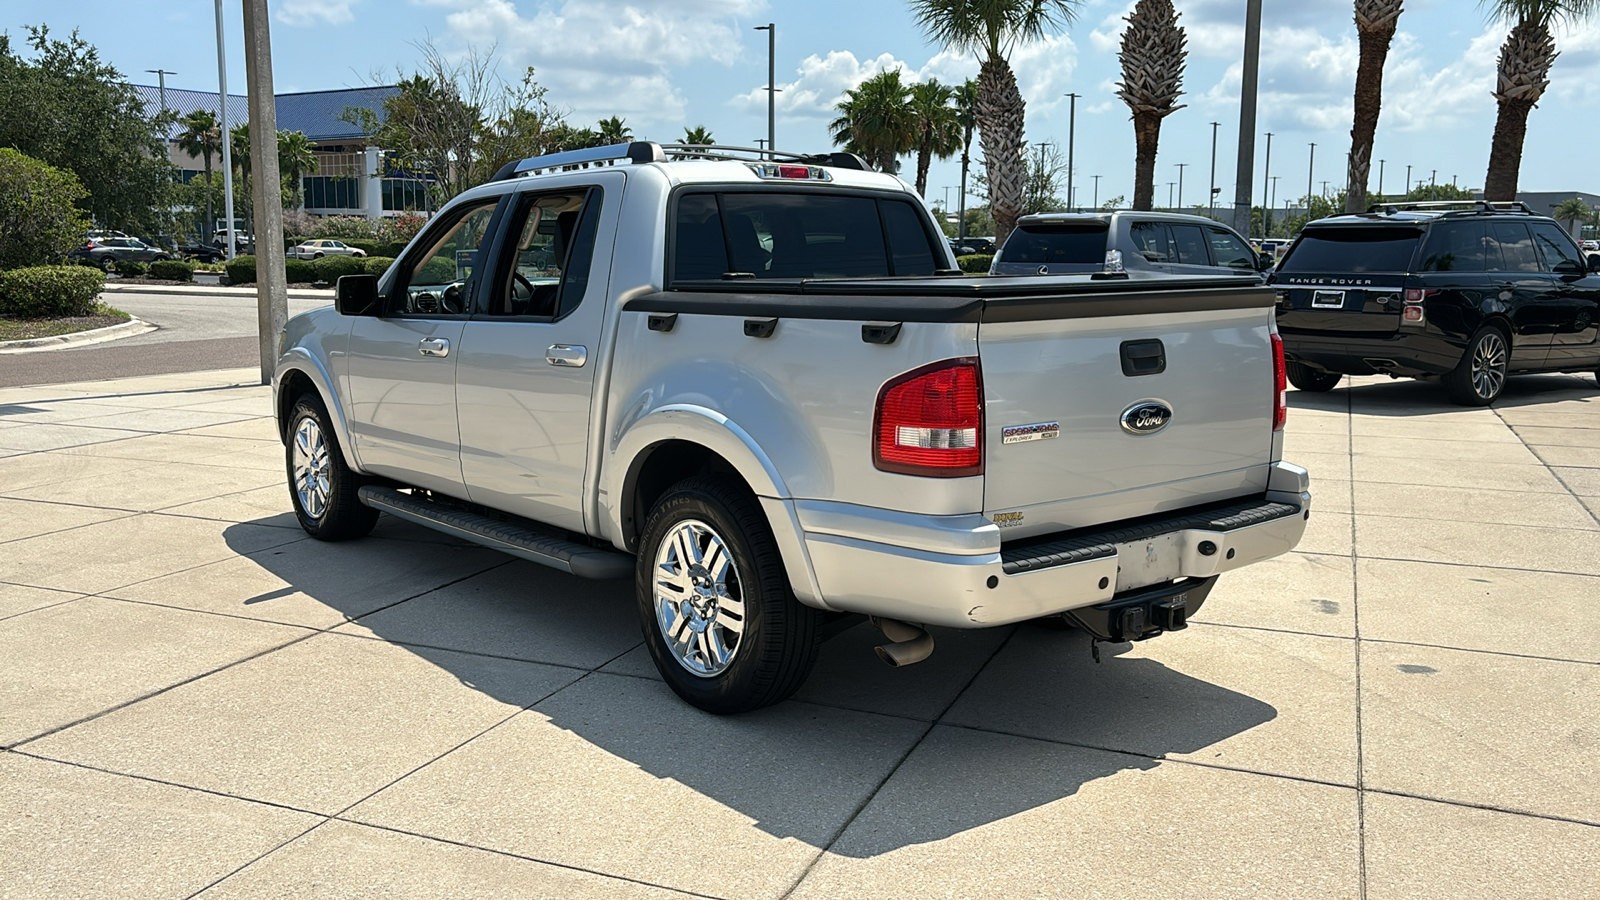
[{"x": 910, "y": 643}]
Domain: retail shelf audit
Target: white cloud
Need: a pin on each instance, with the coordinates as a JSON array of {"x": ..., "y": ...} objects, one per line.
[{"x": 310, "y": 12}]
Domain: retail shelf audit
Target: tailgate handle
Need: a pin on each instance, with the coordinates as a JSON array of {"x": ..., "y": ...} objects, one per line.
[{"x": 1143, "y": 358}]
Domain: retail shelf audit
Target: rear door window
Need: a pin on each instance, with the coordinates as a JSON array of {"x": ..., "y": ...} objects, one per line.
[
  {"x": 1353, "y": 249},
  {"x": 908, "y": 240},
  {"x": 1189, "y": 245},
  {"x": 1150, "y": 239},
  {"x": 1516, "y": 248},
  {"x": 1057, "y": 243},
  {"x": 1230, "y": 251},
  {"x": 1455, "y": 247}
]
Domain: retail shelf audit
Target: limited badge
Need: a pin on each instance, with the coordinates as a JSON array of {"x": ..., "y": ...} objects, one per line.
[{"x": 1039, "y": 431}]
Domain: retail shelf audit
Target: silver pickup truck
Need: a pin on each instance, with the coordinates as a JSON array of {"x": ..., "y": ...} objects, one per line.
[{"x": 755, "y": 384}]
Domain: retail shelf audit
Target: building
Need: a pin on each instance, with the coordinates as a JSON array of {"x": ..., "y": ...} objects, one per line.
[
  {"x": 351, "y": 178},
  {"x": 1544, "y": 203}
]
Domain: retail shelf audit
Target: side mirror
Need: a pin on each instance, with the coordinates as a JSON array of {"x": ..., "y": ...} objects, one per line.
[
  {"x": 1571, "y": 267},
  {"x": 1263, "y": 262},
  {"x": 356, "y": 295}
]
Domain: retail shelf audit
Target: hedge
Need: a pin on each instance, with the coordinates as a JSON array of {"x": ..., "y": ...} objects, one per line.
[
  {"x": 377, "y": 265},
  {"x": 128, "y": 268},
  {"x": 329, "y": 268},
  {"x": 241, "y": 269},
  {"x": 299, "y": 271},
  {"x": 977, "y": 263},
  {"x": 172, "y": 270},
  {"x": 39, "y": 292}
]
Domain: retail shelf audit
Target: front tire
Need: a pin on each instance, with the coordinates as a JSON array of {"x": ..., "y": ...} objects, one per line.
[
  {"x": 718, "y": 615},
  {"x": 321, "y": 487},
  {"x": 1481, "y": 375},
  {"x": 1306, "y": 378}
]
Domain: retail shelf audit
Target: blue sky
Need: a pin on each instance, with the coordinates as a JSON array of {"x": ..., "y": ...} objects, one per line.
[{"x": 664, "y": 64}]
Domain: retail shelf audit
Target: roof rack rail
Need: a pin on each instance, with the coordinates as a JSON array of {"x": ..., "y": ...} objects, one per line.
[
  {"x": 1474, "y": 207},
  {"x": 649, "y": 151}
]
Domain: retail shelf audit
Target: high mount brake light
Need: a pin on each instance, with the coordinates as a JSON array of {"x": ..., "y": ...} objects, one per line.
[
  {"x": 1280, "y": 387},
  {"x": 791, "y": 172},
  {"x": 929, "y": 421}
]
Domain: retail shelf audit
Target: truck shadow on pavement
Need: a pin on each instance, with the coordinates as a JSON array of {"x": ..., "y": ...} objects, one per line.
[
  {"x": 1025, "y": 717},
  {"x": 1409, "y": 397}
]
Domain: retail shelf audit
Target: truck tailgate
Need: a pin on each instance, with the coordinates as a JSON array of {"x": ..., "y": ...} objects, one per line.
[{"x": 1093, "y": 419}]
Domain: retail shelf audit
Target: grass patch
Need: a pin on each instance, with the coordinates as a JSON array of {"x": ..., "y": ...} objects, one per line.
[{"x": 100, "y": 316}]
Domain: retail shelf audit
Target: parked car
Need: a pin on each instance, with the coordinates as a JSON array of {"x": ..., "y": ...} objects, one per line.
[
  {"x": 1148, "y": 242},
  {"x": 320, "y": 248},
  {"x": 206, "y": 253},
  {"x": 630, "y": 383},
  {"x": 1591, "y": 246},
  {"x": 107, "y": 251},
  {"x": 1466, "y": 293}
]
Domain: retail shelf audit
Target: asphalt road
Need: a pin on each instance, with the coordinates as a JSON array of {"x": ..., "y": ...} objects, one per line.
[{"x": 193, "y": 333}]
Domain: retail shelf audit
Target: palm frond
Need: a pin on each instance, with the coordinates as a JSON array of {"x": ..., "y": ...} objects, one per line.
[{"x": 990, "y": 27}]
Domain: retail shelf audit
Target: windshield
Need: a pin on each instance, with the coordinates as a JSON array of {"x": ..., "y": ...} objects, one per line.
[
  {"x": 1082, "y": 243},
  {"x": 1345, "y": 249}
]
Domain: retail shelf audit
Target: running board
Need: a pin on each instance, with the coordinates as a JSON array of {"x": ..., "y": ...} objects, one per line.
[{"x": 535, "y": 546}]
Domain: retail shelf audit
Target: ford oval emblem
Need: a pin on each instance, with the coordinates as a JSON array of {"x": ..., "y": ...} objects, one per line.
[{"x": 1146, "y": 417}]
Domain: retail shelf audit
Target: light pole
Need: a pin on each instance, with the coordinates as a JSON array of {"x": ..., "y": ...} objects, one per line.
[
  {"x": 161, "y": 76},
  {"x": 1408, "y": 182},
  {"x": 1211, "y": 198},
  {"x": 1266, "y": 175},
  {"x": 1311, "y": 168},
  {"x": 1072, "y": 128},
  {"x": 222, "y": 115},
  {"x": 772, "y": 83},
  {"x": 1181, "y": 167},
  {"x": 1096, "y": 191},
  {"x": 1170, "y": 186},
  {"x": 1247, "y": 117},
  {"x": 1380, "y": 180},
  {"x": 1272, "y": 204}
]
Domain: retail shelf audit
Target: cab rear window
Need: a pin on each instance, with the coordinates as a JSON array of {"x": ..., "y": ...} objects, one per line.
[
  {"x": 801, "y": 234},
  {"x": 1346, "y": 249},
  {"x": 1057, "y": 243}
]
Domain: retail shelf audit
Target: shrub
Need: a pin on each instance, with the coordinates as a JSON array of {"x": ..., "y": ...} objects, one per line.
[
  {"x": 329, "y": 268},
  {"x": 127, "y": 268},
  {"x": 299, "y": 271},
  {"x": 241, "y": 270},
  {"x": 38, "y": 219},
  {"x": 345, "y": 228},
  {"x": 172, "y": 270},
  {"x": 402, "y": 228},
  {"x": 976, "y": 263},
  {"x": 38, "y": 292},
  {"x": 377, "y": 265}
]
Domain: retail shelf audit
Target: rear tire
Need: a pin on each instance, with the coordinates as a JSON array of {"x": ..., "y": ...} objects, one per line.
[
  {"x": 1481, "y": 375},
  {"x": 719, "y": 617},
  {"x": 322, "y": 488},
  {"x": 1306, "y": 378}
]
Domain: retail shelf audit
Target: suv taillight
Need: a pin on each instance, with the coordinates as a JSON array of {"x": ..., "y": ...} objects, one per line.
[
  {"x": 929, "y": 421},
  {"x": 1280, "y": 386}
]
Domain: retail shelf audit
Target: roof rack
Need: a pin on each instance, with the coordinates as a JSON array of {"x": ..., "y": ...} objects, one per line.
[
  {"x": 649, "y": 151},
  {"x": 1465, "y": 207}
]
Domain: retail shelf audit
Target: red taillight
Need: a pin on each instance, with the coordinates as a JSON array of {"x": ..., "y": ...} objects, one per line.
[
  {"x": 1280, "y": 386},
  {"x": 929, "y": 421}
]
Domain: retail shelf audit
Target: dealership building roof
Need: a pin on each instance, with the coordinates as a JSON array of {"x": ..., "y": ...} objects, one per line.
[{"x": 317, "y": 113}]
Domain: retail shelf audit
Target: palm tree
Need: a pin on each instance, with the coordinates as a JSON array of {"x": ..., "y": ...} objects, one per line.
[
  {"x": 698, "y": 135},
  {"x": 967, "y": 115},
  {"x": 1524, "y": 73},
  {"x": 1570, "y": 211},
  {"x": 991, "y": 29},
  {"x": 239, "y": 144},
  {"x": 936, "y": 126},
  {"x": 613, "y": 131},
  {"x": 875, "y": 120},
  {"x": 1375, "y": 26},
  {"x": 1152, "y": 60},
  {"x": 296, "y": 160},
  {"x": 202, "y": 137}
]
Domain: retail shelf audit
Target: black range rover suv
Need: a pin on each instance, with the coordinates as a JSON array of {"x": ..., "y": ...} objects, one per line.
[{"x": 1464, "y": 292}]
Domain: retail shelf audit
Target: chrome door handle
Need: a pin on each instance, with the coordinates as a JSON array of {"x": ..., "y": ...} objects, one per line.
[
  {"x": 434, "y": 347},
  {"x": 567, "y": 355}
]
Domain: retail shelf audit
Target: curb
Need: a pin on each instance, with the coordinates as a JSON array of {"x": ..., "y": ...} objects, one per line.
[
  {"x": 126, "y": 329},
  {"x": 206, "y": 290}
]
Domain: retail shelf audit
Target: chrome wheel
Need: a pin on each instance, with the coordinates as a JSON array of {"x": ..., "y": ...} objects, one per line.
[
  {"x": 1489, "y": 365},
  {"x": 698, "y": 599},
  {"x": 311, "y": 480}
]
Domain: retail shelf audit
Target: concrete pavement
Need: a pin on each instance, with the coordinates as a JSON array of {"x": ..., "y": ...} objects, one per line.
[{"x": 196, "y": 699}]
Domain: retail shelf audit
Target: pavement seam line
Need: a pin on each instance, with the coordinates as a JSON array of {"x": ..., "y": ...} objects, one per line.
[
  {"x": 1399, "y": 643},
  {"x": 1355, "y": 616},
  {"x": 1551, "y": 469}
]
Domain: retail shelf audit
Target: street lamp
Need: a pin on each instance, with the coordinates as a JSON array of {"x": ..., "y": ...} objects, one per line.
[
  {"x": 1170, "y": 186},
  {"x": 161, "y": 75},
  {"x": 1072, "y": 128},
  {"x": 772, "y": 83},
  {"x": 227, "y": 153},
  {"x": 1212, "y": 197},
  {"x": 1096, "y": 191},
  {"x": 1311, "y": 168},
  {"x": 1272, "y": 204},
  {"x": 1267, "y": 176},
  {"x": 1380, "y": 180},
  {"x": 1180, "y": 183}
]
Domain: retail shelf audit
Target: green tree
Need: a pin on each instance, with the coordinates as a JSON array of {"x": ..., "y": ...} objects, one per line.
[
  {"x": 614, "y": 131},
  {"x": 698, "y": 135},
  {"x": 1152, "y": 60},
  {"x": 991, "y": 30},
  {"x": 296, "y": 160},
  {"x": 39, "y": 218},
  {"x": 1570, "y": 211},
  {"x": 875, "y": 120},
  {"x": 201, "y": 136},
  {"x": 936, "y": 126},
  {"x": 1524, "y": 74},
  {"x": 67, "y": 108},
  {"x": 239, "y": 149},
  {"x": 1375, "y": 26}
]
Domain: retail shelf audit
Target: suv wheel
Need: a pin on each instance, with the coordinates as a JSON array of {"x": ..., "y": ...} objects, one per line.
[
  {"x": 322, "y": 488},
  {"x": 1306, "y": 378},
  {"x": 108, "y": 263},
  {"x": 1480, "y": 376},
  {"x": 721, "y": 622}
]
